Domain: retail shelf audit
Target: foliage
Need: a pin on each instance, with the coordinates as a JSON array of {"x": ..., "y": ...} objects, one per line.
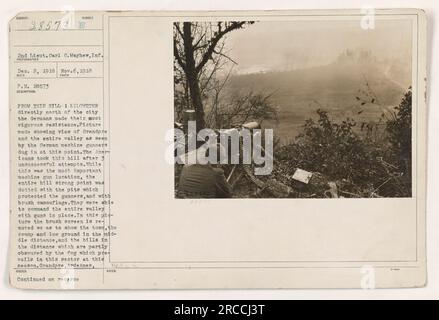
[
  {"x": 240, "y": 109},
  {"x": 399, "y": 131},
  {"x": 361, "y": 166},
  {"x": 333, "y": 149}
]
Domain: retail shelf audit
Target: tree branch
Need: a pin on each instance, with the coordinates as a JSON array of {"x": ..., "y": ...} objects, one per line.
[
  {"x": 177, "y": 56},
  {"x": 208, "y": 54},
  {"x": 177, "y": 27},
  {"x": 225, "y": 56}
]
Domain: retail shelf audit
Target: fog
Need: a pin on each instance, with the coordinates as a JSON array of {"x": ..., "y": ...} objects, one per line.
[{"x": 290, "y": 45}]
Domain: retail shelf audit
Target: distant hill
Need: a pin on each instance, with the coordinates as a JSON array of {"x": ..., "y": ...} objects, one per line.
[{"x": 334, "y": 87}]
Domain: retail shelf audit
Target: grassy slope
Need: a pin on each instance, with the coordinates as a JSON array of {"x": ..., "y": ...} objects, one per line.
[{"x": 333, "y": 87}]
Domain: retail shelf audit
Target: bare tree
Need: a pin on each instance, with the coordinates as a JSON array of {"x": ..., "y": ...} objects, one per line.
[
  {"x": 195, "y": 44},
  {"x": 242, "y": 108}
]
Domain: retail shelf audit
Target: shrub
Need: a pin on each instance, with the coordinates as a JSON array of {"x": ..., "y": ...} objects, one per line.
[
  {"x": 399, "y": 130},
  {"x": 334, "y": 149},
  {"x": 363, "y": 166}
]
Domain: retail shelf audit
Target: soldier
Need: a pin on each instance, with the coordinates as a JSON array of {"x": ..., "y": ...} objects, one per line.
[{"x": 203, "y": 181}]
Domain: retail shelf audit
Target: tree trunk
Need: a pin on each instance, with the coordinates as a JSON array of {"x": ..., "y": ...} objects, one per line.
[{"x": 192, "y": 75}]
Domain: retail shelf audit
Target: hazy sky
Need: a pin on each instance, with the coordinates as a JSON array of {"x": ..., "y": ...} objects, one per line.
[{"x": 299, "y": 44}]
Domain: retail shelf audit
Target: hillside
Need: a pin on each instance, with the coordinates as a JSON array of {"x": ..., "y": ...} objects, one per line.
[{"x": 334, "y": 87}]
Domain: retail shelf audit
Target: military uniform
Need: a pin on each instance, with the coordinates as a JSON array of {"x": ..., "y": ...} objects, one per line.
[{"x": 203, "y": 181}]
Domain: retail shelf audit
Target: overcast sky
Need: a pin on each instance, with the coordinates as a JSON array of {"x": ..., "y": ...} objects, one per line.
[{"x": 300, "y": 44}]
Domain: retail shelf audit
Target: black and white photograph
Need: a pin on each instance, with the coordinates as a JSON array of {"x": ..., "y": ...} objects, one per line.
[{"x": 330, "y": 103}]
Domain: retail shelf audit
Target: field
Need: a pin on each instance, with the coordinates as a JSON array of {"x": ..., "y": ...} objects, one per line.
[{"x": 342, "y": 89}]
